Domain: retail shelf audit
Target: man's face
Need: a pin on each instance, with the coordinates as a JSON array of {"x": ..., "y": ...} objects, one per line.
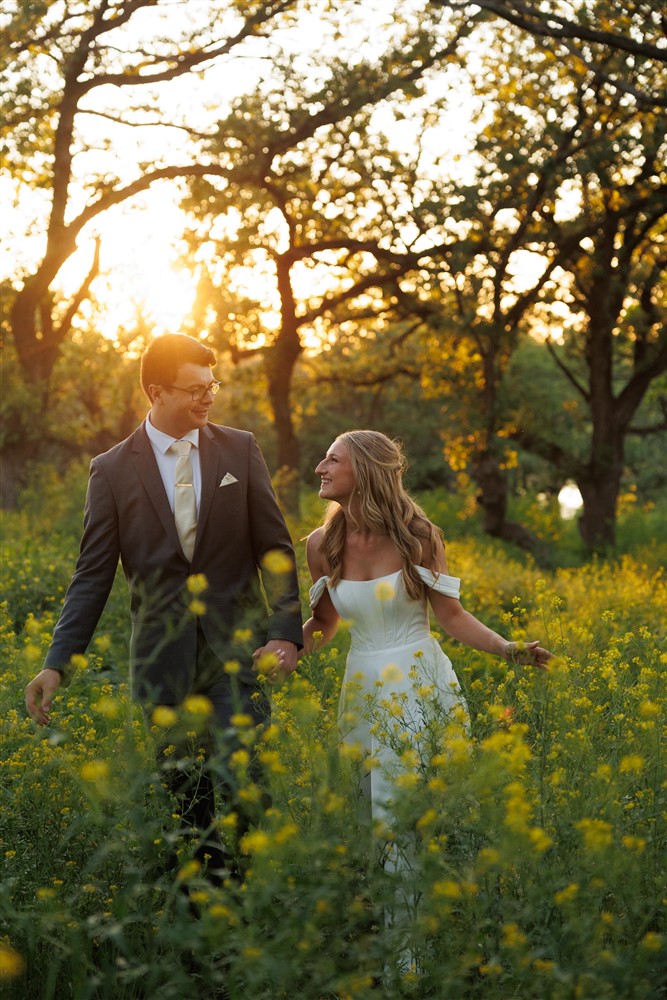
[{"x": 174, "y": 411}]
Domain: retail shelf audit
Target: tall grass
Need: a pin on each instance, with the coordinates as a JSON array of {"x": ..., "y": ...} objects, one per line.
[{"x": 533, "y": 831}]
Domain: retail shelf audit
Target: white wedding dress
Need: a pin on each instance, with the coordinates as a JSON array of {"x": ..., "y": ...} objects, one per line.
[
  {"x": 392, "y": 657},
  {"x": 394, "y": 672}
]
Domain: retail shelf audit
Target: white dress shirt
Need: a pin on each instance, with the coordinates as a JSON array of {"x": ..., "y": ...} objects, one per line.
[{"x": 166, "y": 460}]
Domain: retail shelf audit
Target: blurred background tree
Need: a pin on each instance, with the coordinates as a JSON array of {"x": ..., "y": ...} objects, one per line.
[{"x": 441, "y": 218}]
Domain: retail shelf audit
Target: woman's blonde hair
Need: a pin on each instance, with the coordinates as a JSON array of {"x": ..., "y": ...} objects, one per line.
[{"x": 384, "y": 506}]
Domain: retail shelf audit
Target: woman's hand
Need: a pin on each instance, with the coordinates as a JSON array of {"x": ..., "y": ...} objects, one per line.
[
  {"x": 527, "y": 654},
  {"x": 276, "y": 660}
]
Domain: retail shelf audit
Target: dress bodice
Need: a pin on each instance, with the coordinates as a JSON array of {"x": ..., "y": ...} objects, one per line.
[{"x": 380, "y": 613}]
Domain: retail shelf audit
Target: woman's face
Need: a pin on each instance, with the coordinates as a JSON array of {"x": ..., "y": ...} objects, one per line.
[{"x": 337, "y": 480}]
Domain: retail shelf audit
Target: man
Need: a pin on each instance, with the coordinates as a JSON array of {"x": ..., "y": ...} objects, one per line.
[{"x": 209, "y": 510}]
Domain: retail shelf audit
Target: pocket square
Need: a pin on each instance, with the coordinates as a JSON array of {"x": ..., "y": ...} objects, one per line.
[{"x": 227, "y": 479}]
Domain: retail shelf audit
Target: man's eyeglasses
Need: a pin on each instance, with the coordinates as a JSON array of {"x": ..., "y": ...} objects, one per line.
[{"x": 198, "y": 394}]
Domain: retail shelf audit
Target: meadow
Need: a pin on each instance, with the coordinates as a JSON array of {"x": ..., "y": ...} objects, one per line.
[{"x": 535, "y": 828}]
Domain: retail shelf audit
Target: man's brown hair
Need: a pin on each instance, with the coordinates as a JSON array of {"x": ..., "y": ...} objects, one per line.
[{"x": 165, "y": 355}]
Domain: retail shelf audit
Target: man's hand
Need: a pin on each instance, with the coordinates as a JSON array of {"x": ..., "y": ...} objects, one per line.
[
  {"x": 39, "y": 694},
  {"x": 276, "y": 660}
]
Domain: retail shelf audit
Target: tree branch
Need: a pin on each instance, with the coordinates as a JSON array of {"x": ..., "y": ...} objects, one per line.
[
  {"x": 525, "y": 15},
  {"x": 571, "y": 377},
  {"x": 550, "y": 25},
  {"x": 146, "y": 124},
  {"x": 66, "y": 323},
  {"x": 185, "y": 62}
]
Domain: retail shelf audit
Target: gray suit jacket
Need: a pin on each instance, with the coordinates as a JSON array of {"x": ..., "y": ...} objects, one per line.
[{"x": 127, "y": 516}]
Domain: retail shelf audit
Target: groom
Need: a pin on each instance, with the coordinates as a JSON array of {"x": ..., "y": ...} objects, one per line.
[{"x": 133, "y": 512}]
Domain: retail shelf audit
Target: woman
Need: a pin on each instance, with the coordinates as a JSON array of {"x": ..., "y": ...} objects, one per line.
[{"x": 377, "y": 562}]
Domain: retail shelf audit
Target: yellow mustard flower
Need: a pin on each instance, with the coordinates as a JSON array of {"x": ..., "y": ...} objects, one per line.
[
  {"x": 255, "y": 842},
  {"x": 384, "y": 591},
  {"x": 164, "y": 716},
  {"x": 197, "y": 584},
  {"x": 632, "y": 763},
  {"x": 391, "y": 674},
  {"x": 567, "y": 894},
  {"x": 11, "y": 962},
  {"x": 198, "y": 704},
  {"x": 95, "y": 770},
  {"x": 242, "y": 635},
  {"x": 277, "y": 562},
  {"x": 189, "y": 870}
]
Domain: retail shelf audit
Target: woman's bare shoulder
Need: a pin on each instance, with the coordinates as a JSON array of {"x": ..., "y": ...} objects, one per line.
[
  {"x": 314, "y": 540},
  {"x": 314, "y": 554}
]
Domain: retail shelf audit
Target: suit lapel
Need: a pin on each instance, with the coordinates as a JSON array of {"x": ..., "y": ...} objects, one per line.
[
  {"x": 210, "y": 460},
  {"x": 147, "y": 469}
]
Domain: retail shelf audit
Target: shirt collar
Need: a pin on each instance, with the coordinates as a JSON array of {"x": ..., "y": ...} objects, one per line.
[{"x": 163, "y": 441}]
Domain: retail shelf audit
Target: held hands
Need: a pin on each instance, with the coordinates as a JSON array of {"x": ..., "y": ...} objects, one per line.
[
  {"x": 39, "y": 694},
  {"x": 527, "y": 654},
  {"x": 276, "y": 660}
]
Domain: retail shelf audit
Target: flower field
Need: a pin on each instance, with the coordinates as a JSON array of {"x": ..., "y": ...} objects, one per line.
[{"x": 533, "y": 831}]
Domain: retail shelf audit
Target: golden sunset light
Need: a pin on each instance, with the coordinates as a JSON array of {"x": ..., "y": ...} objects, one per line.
[
  {"x": 333, "y": 482},
  {"x": 140, "y": 274}
]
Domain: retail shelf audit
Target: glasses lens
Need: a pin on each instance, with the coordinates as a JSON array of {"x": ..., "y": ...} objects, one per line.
[{"x": 200, "y": 393}]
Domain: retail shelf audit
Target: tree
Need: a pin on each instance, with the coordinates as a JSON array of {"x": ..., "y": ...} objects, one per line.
[
  {"x": 61, "y": 64},
  {"x": 570, "y": 171},
  {"x": 616, "y": 347},
  {"x": 322, "y": 191},
  {"x": 589, "y": 33},
  {"x": 65, "y": 66}
]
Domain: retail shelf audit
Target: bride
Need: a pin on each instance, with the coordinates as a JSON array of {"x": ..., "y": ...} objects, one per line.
[{"x": 377, "y": 562}]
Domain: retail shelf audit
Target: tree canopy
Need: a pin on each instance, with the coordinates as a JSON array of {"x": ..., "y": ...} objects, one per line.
[{"x": 432, "y": 181}]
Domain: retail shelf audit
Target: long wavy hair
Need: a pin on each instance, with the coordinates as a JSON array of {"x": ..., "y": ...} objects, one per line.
[{"x": 384, "y": 507}]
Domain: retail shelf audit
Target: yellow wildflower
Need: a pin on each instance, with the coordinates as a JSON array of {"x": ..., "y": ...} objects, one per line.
[
  {"x": 11, "y": 962},
  {"x": 197, "y": 584},
  {"x": 391, "y": 674},
  {"x": 632, "y": 763},
  {"x": 95, "y": 770},
  {"x": 189, "y": 870},
  {"x": 241, "y": 719},
  {"x": 198, "y": 704},
  {"x": 597, "y": 833},
  {"x": 242, "y": 635},
  {"x": 255, "y": 842},
  {"x": 448, "y": 889},
  {"x": 276, "y": 561},
  {"x": 652, "y": 941},
  {"x": 567, "y": 894},
  {"x": 164, "y": 716}
]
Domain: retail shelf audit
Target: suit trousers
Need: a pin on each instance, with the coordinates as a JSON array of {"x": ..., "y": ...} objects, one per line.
[{"x": 202, "y": 779}]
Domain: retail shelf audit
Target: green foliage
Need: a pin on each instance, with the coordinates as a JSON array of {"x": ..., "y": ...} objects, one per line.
[{"x": 533, "y": 833}]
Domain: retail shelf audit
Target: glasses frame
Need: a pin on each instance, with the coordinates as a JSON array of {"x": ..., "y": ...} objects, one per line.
[{"x": 198, "y": 394}]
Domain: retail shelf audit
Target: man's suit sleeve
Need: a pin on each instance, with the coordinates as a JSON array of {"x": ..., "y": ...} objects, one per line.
[
  {"x": 93, "y": 576},
  {"x": 270, "y": 534}
]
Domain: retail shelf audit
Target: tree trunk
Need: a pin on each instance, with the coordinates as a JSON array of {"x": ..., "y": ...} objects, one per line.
[
  {"x": 280, "y": 360},
  {"x": 37, "y": 348},
  {"x": 492, "y": 498},
  {"x": 287, "y": 476},
  {"x": 599, "y": 490}
]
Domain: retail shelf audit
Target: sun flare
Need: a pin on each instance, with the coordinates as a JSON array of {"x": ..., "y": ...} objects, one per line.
[{"x": 140, "y": 276}]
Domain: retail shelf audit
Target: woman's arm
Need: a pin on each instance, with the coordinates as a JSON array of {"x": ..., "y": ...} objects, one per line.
[
  {"x": 323, "y": 625},
  {"x": 461, "y": 625}
]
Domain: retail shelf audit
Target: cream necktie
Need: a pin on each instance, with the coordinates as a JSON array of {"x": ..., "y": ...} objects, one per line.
[{"x": 185, "y": 504}]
